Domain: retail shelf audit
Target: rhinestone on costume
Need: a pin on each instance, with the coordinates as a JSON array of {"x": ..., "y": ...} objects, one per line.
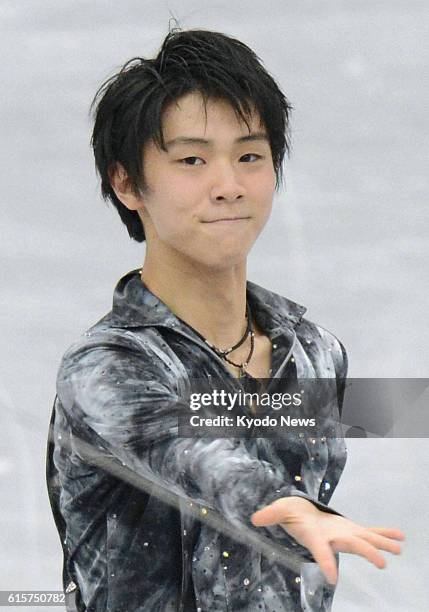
[
  {"x": 323, "y": 439},
  {"x": 308, "y": 341},
  {"x": 206, "y": 548},
  {"x": 246, "y": 582},
  {"x": 225, "y": 554},
  {"x": 274, "y": 346},
  {"x": 204, "y": 511},
  {"x": 297, "y": 579},
  {"x": 327, "y": 486},
  {"x": 292, "y": 359},
  {"x": 298, "y": 477},
  {"x": 146, "y": 544}
]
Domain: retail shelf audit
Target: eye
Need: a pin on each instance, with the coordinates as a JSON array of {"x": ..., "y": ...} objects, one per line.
[
  {"x": 192, "y": 161},
  {"x": 255, "y": 155}
]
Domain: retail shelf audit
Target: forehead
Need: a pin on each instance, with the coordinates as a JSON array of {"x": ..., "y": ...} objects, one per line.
[{"x": 193, "y": 115}]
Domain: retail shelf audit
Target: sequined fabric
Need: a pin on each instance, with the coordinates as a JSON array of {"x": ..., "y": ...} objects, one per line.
[{"x": 120, "y": 388}]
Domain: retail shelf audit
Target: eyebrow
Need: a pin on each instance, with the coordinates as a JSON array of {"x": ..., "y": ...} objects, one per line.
[{"x": 184, "y": 140}]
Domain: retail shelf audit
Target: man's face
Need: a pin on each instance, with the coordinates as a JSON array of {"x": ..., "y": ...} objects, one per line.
[{"x": 210, "y": 194}]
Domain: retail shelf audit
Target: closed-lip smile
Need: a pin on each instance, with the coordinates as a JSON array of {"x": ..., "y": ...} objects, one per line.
[{"x": 227, "y": 219}]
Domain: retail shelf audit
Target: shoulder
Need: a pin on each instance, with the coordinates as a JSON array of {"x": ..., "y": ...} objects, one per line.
[
  {"x": 309, "y": 331},
  {"x": 316, "y": 340},
  {"x": 104, "y": 354}
]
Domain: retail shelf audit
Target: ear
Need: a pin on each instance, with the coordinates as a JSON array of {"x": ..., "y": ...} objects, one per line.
[{"x": 122, "y": 187}]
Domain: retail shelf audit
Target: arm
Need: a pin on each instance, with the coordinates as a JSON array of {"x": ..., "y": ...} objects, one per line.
[
  {"x": 325, "y": 534},
  {"x": 122, "y": 397}
]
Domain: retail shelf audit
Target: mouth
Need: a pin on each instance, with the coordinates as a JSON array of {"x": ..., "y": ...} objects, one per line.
[{"x": 227, "y": 220}]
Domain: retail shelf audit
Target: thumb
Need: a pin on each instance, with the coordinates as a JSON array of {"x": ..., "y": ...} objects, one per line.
[{"x": 269, "y": 515}]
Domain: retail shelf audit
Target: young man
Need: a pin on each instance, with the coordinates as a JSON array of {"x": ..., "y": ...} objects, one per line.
[{"x": 189, "y": 147}]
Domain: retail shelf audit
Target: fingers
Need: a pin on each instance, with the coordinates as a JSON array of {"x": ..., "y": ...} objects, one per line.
[
  {"x": 324, "y": 535},
  {"x": 396, "y": 534},
  {"x": 381, "y": 542},
  {"x": 322, "y": 553},
  {"x": 267, "y": 516},
  {"x": 357, "y": 546}
]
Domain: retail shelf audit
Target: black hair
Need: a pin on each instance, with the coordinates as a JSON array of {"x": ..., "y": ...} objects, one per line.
[{"x": 128, "y": 107}]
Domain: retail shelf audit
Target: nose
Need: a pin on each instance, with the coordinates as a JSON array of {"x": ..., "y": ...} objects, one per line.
[{"x": 225, "y": 185}]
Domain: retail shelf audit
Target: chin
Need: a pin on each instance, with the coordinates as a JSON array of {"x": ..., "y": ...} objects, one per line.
[
  {"x": 224, "y": 260},
  {"x": 219, "y": 254}
]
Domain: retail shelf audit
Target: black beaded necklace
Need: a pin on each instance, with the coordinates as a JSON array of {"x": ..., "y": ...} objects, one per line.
[{"x": 249, "y": 331}]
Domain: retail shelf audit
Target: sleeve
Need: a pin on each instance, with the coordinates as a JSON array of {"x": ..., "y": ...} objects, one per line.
[
  {"x": 125, "y": 401},
  {"x": 337, "y": 450},
  {"x": 341, "y": 362},
  {"x": 336, "y": 453}
]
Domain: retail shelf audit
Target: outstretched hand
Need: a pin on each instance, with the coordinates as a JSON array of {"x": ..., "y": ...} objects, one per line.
[{"x": 323, "y": 533}]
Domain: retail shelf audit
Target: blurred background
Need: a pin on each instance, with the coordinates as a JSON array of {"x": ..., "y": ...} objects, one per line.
[{"x": 348, "y": 235}]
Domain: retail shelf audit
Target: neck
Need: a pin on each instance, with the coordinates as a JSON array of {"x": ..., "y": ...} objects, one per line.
[{"x": 212, "y": 301}]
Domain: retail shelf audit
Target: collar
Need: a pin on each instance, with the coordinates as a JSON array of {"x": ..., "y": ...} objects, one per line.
[{"x": 134, "y": 305}]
